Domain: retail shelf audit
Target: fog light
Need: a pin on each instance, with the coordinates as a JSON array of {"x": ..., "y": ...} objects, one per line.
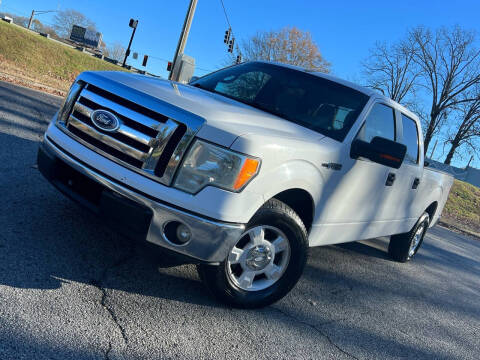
[
  {"x": 183, "y": 234},
  {"x": 177, "y": 233}
]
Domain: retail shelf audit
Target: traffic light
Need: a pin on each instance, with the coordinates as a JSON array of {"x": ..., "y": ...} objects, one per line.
[
  {"x": 230, "y": 45},
  {"x": 239, "y": 59},
  {"x": 133, "y": 23},
  {"x": 227, "y": 35},
  {"x": 169, "y": 66},
  {"x": 145, "y": 59}
]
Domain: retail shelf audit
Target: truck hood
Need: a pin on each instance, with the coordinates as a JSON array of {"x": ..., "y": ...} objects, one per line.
[{"x": 225, "y": 119}]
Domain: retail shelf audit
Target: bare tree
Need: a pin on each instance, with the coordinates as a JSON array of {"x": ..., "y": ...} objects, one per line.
[
  {"x": 40, "y": 27},
  {"x": 115, "y": 51},
  {"x": 288, "y": 45},
  {"x": 64, "y": 21},
  {"x": 391, "y": 69},
  {"x": 19, "y": 20},
  {"x": 468, "y": 129},
  {"x": 449, "y": 64}
]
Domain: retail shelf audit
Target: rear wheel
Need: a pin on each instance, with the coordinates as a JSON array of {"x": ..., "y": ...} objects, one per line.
[
  {"x": 403, "y": 247},
  {"x": 266, "y": 261}
]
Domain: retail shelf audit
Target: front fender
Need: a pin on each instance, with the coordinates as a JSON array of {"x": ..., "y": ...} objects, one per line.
[{"x": 294, "y": 174}]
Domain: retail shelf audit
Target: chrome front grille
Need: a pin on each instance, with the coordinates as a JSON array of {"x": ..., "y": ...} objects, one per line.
[{"x": 146, "y": 141}]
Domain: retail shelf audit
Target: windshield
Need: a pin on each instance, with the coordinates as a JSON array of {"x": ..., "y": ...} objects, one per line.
[{"x": 305, "y": 99}]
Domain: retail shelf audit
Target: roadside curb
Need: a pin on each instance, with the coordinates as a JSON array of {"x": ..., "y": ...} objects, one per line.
[
  {"x": 32, "y": 85},
  {"x": 455, "y": 228}
]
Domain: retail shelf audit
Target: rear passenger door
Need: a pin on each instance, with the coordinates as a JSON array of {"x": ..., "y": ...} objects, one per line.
[{"x": 410, "y": 171}]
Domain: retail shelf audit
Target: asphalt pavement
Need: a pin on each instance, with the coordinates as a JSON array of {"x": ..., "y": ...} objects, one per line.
[{"x": 72, "y": 288}]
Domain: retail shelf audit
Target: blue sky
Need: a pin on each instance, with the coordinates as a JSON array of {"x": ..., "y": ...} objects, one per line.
[{"x": 343, "y": 30}]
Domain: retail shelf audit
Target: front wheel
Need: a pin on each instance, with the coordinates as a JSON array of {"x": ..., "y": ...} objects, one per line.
[
  {"x": 266, "y": 261},
  {"x": 403, "y": 247}
]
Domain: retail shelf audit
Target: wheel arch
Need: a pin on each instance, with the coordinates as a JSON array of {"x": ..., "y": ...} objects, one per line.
[
  {"x": 432, "y": 209},
  {"x": 296, "y": 178},
  {"x": 301, "y": 201}
]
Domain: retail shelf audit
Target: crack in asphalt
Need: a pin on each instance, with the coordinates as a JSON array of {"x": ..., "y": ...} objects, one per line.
[
  {"x": 314, "y": 327},
  {"x": 103, "y": 301},
  {"x": 107, "y": 352}
]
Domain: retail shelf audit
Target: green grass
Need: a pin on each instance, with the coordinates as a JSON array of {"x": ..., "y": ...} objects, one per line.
[
  {"x": 463, "y": 207},
  {"x": 28, "y": 55}
]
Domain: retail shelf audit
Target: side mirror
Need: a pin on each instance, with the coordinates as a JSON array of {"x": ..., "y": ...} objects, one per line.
[{"x": 379, "y": 150}]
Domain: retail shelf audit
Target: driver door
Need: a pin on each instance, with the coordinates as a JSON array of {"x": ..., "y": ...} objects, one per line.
[{"x": 357, "y": 197}]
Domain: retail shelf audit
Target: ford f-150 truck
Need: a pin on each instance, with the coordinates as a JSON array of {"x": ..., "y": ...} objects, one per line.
[{"x": 244, "y": 169}]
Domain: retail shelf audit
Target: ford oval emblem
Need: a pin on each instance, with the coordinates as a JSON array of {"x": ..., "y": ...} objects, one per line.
[{"x": 105, "y": 120}]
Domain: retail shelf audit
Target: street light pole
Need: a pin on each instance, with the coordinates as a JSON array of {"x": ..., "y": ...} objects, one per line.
[
  {"x": 183, "y": 37},
  {"x": 133, "y": 24}
]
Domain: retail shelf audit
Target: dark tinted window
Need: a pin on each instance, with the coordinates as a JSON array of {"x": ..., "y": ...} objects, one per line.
[
  {"x": 380, "y": 122},
  {"x": 410, "y": 139},
  {"x": 306, "y": 99}
]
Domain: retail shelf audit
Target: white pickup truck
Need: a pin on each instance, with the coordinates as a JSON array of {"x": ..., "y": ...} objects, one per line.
[{"x": 244, "y": 169}]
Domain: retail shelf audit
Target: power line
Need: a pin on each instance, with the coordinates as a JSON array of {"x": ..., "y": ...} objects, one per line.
[
  {"x": 15, "y": 11},
  {"x": 165, "y": 60}
]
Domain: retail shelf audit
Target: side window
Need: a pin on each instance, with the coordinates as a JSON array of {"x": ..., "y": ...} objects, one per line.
[
  {"x": 410, "y": 139},
  {"x": 380, "y": 122}
]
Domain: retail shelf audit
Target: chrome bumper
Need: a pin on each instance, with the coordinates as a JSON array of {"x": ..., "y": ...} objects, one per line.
[{"x": 211, "y": 240}]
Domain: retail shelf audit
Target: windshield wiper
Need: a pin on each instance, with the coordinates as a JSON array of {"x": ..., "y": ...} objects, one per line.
[
  {"x": 197, "y": 85},
  {"x": 265, "y": 107}
]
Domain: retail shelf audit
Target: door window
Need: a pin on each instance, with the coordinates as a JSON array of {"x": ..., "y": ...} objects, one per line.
[
  {"x": 410, "y": 139},
  {"x": 380, "y": 122}
]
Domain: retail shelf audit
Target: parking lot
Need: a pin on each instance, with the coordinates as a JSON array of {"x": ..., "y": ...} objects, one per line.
[{"x": 71, "y": 288}]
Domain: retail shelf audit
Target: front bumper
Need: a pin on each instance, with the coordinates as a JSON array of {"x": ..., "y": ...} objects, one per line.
[{"x": 132, "y": 212}]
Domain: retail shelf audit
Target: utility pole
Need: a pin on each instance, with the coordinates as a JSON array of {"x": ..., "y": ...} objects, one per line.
[
  {"x": 471, "y": 159},
  {"x": 183, "y": 37},
  {"x": 38, "y": 12},
  {"x": 433, "y": 150},
  {"x": 31, "y": 19},
  {"x": 133, "y": 24}
]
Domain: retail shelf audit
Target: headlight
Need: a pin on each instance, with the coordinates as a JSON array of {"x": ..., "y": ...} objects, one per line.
[{"x": 208, "y": 164}]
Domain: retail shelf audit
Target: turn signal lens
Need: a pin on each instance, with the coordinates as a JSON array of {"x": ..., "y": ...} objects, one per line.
[{"x": 249, "y": 169}]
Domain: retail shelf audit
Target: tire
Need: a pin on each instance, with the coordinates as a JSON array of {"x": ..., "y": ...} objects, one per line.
[
  {"x": 403, "y": 247},
  {"x": 229, "y": 282}
]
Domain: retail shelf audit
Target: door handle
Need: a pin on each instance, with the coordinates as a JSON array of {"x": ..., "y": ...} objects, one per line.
[
  {"x": 416, "y": 182},
  {"x": 390, "y": 179}
]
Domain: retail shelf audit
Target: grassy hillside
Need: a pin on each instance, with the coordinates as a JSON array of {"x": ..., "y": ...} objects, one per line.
[
  {"x": 462, "y": 209},
  {"x": 27, "y": 55}
]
